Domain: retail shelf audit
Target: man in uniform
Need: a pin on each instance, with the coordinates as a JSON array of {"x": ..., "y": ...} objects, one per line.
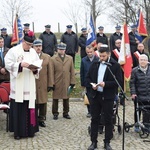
[
  {"x": 70, "y": 38},
  {"x": 101, "y": 37},
  {"x": 64, "y": 79},
  {"x": 44, "y": 83},
  {"x": 82, "y": 42},
  {"x": 49, "y": 41}
]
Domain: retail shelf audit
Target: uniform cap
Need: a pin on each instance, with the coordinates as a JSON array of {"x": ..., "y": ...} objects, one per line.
[
  {"x": 48, "y": 26},
  {"x": 100, "y": 27},
  {"x": 26, "y": 25},
  {"x": 37, "y": 42},
  {"x": 69, "y": 26},
  {"x": 118, "y": 27},
  {"x": 61, "y": 46},
  {"x": 84, "y": 29}
]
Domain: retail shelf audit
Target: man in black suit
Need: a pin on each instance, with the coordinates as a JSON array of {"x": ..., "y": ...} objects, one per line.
[{"x": 103, "y": 95}]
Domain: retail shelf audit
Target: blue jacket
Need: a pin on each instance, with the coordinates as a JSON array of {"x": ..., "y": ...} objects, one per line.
[{"x": 84, "y": 68}]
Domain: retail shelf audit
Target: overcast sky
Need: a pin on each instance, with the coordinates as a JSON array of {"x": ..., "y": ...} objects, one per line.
[{"x": 50, "y": 12}]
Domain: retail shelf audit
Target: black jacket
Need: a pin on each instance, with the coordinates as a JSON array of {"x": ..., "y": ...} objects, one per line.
[
  {"x": 101, "y": 39},
  {"x": 132, "y": 40},
  {"x": 82, "y": 44},
  {"x": 112, "y": 40},
  {"x": 109, "y": 90},
  {"x": 72, "y": 42},
  {"x": 140, "y": 84},
  {"x": 49, "y": 43}
]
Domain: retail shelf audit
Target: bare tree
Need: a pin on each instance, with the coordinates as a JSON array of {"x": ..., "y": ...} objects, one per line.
[
  {"x": 74, "y": 13},
  {"x": 129, "y": 9},
  {"x": 13, "y": 7}
]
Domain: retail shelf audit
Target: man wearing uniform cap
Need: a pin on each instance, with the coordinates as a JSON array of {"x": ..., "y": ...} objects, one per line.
[
  {"x": 23, "y": 89},
  {"x": 6, "y": 37},
  {"x": 133, "y": 40},
  {"x": 82, "y": 42},
  {"x": 27, "y": 30},
  {"x": 70, "y": 38},
  {"x": 64, "y": 77},
  {"x": 101, "y": 37},
  {"x": 43, "y": 85},
  {"x": 114, "y": 37},
  {"x": 49, "y": 41}
]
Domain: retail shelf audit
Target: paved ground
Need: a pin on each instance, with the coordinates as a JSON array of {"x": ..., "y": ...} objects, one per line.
[{"x": 71, "y": 134}]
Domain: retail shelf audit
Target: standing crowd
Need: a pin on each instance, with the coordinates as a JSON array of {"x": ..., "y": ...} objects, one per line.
[{"x": 40, "y": 65}]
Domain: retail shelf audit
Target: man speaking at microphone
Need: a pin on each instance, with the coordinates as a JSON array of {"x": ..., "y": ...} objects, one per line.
[{"x": 103, "y": 90}]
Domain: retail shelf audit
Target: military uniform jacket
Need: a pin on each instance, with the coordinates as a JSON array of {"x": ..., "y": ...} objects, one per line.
[
  {"x": 63, "y": 75},
  {"x": 102, "y": 39},
  {"x": 45, "y": 79}
]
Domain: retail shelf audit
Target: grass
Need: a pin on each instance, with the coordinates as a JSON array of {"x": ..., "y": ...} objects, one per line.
[{"x": 77, "y": 91}]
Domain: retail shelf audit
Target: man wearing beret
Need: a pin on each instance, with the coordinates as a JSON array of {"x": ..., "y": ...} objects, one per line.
[
  {"x": 63, "y": 77},
  {"x": 114, "y": 37},
  {"x": 101, "y": 37},
  {"x": 70, "y": 38},
  {"x": 82, "y": 42},
  {"x": 43, "y": 83},
  {"x": 6, "y": 37},
  {"x": 49, "y": 41},
  {"x": 23, "y": 116}
]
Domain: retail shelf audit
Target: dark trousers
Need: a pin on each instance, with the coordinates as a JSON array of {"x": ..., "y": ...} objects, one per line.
[
  {"x": 88, "y": 96},
  {"x": 42, "y": 109},
  {"x": 73, "y": 57},
  {"x": 65, "y": 107},
  {"x": 97, "y": 104}
]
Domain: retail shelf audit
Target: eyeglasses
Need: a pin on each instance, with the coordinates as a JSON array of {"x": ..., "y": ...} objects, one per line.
[{"x": 29, "y": 44}]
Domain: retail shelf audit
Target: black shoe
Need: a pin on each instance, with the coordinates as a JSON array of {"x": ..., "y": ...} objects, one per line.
[
  {"x": 42, "y": 124},
  {"x": 67, "y": 116},
  {"x": 55, "y": 117},
  {"x": 107, "y": 146},
  {"x": 17, "y": 137},
  {"x": 92, "y": 146}
]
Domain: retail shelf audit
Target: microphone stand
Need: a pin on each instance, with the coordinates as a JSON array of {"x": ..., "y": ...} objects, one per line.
[{"x": 125, "y": 97}]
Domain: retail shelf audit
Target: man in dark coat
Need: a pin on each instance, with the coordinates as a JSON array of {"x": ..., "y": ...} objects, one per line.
[
  {"x": 70, "y": 38},
  {"x": 4, "y": 74},
  {"x": 82, "y": 42},
  {"x": 85, "y": 65},
  {"x": 133, "y": 40},
  {"x": 114, "y": 37},
  {"x": 103, "y": 92},
  {"x": 49, "y": 41},
  {"x": 101, "y": 37},
  {"x": 6, "y": 37}
]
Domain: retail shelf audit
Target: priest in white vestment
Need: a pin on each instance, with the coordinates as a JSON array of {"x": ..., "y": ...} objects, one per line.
[{"x": 23, "y": 116}]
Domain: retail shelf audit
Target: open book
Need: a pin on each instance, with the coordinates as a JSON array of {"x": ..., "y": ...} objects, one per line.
[
  {"x": 36, "y": 64},
  {"x": 94, "y": 84}
]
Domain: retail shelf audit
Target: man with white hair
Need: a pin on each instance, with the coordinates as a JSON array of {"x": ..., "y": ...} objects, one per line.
[{"x": 140, "y": 84}]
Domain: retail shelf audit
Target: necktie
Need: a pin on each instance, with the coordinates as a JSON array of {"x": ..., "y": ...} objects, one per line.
[{"x": 2, "y": 57}]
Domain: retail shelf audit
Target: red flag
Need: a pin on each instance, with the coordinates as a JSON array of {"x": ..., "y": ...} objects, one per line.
[
  {"x": 15, "y": 37},
  {"x": 141, "y": 27},
  {"x": 125, "y": 58}
]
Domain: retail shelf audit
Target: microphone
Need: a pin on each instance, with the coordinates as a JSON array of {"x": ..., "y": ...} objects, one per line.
[{"x": 106, "y": 63}]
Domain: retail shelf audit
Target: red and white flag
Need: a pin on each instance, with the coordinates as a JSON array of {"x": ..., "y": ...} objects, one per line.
[{"x": 125, "y": 58}]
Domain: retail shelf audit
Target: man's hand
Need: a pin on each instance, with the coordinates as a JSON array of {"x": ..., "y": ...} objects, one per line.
[
  {"x": 3, "y": 71},
  {"x": 24, "y": 64},
  {"x": 102, "y": 84}
]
